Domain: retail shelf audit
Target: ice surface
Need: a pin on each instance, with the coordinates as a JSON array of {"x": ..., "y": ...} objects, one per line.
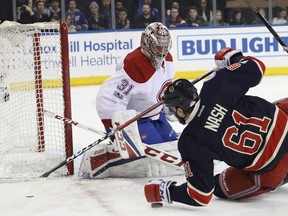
[{"x": 124, "y": 197}]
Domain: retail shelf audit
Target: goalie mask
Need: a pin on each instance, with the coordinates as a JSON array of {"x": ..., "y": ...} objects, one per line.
[
  {"x": 181, "y": 93},
  {"x": 156, "y": 43}
]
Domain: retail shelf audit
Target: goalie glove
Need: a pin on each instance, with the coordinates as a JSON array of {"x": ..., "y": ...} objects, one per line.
[
  {"x": 227, "y": 56},
  {"x": 158, "y": 191}
]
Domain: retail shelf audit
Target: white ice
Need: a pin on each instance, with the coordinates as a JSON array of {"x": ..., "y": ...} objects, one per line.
[{"x": 124, "y": 197}]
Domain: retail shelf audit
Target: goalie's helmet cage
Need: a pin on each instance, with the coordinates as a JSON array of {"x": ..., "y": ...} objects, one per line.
[
  {"x": 156, "y": 43},
  {"x": 182, "y": 94}
]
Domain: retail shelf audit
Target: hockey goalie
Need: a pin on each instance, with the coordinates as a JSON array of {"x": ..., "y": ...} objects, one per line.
[
  {"x": 137, "y": 84},
  {"x": 125, "y": 155}
]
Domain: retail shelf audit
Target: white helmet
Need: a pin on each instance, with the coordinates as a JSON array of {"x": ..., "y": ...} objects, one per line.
[{"x": 156, "y": 43}]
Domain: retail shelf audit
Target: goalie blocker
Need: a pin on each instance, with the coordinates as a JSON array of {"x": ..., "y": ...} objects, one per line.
[{"x": 124, "y": 157}]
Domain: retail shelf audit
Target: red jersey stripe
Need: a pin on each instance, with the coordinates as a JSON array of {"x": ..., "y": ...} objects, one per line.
[
  {"x": 273, "y": 142},
  {"x": 199, "y": 196}
]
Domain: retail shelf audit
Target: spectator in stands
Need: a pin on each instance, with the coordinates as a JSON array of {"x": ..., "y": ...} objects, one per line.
[
  {"x": 219, "y": 21},
  {"x": 193, "y": 19},
  {"x": 257, "y": 20},
  {"x": 46, "y": 3},
  {"x": 42, "y": 14},
  {"x": 119, "y": 4},
  {"x": 25, "y": 13},
  {"x": 70, "y": 25},
  {"x": 205, "y": 11},
  {"x": 275, "y": 9},
  {"x": 46, "y": 6},
  {"x": 96, "y": 20},
  {"x": 153, "y": 10},
  {"x": 94, "y": 17},
  {"x": 78, "y": 17},
  {"x": 83, "y": 5},
  {"x": 237, "y": 18},
  {"x": 143, "y": 20},
  {"x": 175, "y": 4},
  {"x": 55, "y": 11},
  {"x": 281, "y": 18},
  {"x": 185, "y": 7},
  {"x": 105, "y": 10},
  {"x": 174, "y": 19},
  {"x": 122, "y": 21}
]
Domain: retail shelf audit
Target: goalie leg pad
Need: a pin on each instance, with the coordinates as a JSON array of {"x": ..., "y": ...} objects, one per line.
[
  {"x": 103, "y": 161},
  {"x": 128, "y": 140},
  {"x": 148, "y": 167},
  {"x": 96, "y": 161}
]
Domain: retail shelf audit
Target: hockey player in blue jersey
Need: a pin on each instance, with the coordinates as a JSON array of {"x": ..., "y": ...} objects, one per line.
[{"x": 246, "y": 132}]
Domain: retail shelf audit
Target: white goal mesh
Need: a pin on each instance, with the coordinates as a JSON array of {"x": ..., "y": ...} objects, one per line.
[{"x": 34, "y": 75}]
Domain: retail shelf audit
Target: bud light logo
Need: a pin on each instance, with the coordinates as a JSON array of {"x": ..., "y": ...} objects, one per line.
[{"x": 204, "y": 47}]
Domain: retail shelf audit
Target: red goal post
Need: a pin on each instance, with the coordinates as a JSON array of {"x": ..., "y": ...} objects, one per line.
[{"x": 34, "y": 75}]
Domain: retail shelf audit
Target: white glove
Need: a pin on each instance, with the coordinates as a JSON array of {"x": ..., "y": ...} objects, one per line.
[
  {"x": 223, "y": 57},
  {"x": 158, "y": 191},
  {"x": 169, "y": 114}
]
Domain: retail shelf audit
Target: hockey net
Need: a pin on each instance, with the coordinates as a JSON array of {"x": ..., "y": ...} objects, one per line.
[{"x": 34, "y": 76}]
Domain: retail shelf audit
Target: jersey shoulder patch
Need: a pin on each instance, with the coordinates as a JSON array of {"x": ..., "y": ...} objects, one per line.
[{"x": 138, "y": 67}]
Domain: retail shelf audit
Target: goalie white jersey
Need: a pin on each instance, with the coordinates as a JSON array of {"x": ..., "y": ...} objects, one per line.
[{"x": 136, "y": 84}]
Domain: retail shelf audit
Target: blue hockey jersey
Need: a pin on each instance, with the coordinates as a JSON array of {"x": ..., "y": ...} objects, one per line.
[{"x": 246, "y": 132}]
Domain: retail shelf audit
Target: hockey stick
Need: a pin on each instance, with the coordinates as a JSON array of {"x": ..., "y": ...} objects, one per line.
[
  {"x": 204, "y": 75},
  {"x": 111, "y": 133},
  {"x": 150, "y": 151},
  {"x": 106, "y": 136},
  {"x": 266, "y": 23}
]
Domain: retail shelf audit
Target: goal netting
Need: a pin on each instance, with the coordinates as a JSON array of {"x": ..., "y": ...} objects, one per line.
[{"x": 34, "y": 76}]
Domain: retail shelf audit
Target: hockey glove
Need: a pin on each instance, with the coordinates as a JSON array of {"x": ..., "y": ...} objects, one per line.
[
  {"x": 227, "y": 56},
  {"x": 158, "y": 191}
]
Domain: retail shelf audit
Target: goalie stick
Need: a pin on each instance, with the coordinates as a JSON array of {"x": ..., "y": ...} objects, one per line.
[
  {"x": 120, "y": 127},
  {"x": 266, "y": 23}
]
